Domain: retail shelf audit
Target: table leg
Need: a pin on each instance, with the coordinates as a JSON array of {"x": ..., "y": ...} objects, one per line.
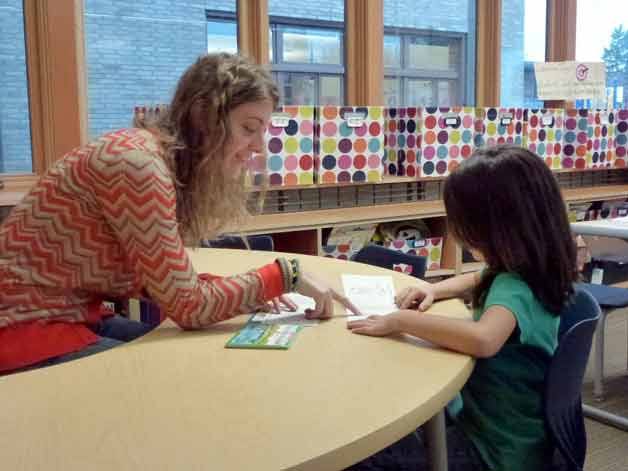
[
  {"x": 607, "y": 418},
  {"x": 436, "y": 438}
]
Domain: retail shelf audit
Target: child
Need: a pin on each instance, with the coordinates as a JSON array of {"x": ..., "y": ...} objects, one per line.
[{"x": 505, "y": 206}]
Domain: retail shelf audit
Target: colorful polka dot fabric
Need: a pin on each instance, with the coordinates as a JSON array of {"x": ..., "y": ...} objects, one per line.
[
  {"x": 351, "y": 148},
  {"x": 340, "y": 251},
  {"x": 431, "y": 248},
  {"x": 402, "y": 141},
  {"x": 543, "y": 134},
  {"x": 289, "y": 147},
  {"x": 494, "y": 126},
  {"x": 447, "y": 139},
  {"x": 621, "y": 139},
  {"x": 589, "y": 140}
]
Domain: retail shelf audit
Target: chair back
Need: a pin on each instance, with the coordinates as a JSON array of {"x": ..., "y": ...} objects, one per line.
[
  {"x": 256, "y": 242},
  {"x": 386, "y": 258},
  {"x": 563, "y": 382}
]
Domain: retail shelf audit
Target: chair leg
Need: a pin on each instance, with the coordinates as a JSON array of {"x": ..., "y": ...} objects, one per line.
[{"x": 598, "y": 361}]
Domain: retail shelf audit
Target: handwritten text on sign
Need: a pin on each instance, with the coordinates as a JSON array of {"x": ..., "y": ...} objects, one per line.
[{"x": 570, "y": 80}]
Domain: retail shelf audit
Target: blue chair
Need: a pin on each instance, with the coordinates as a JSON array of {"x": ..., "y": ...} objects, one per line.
[
  {"x": 386, "y": 258},
  {"x": 563, "y": 382},
  {"x": 256, "y": 242},
  {"x": 610, "y": 298}
]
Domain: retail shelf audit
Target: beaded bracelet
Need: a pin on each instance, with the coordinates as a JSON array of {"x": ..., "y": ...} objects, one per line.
[
  {"x": 296, "y": 272},
  {"x": 286, "y": 272}
]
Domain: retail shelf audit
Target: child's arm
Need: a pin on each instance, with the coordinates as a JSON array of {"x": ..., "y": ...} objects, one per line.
[
  {"x": 481, "y": 339},
  {"x": 426, "y": 293}
]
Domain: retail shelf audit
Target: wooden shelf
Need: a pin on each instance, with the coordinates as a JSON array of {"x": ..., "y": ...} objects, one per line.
[
  {"x": 286, "y": 222},
  {"x": 584, "y": 194},
  {"x": 387, "y": 179}
]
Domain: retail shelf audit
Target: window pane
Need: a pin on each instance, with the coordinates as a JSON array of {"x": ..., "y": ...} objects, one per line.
[
  {"x": 392, "y": 51},
  {"x": 324, "y": 10},
  {"x": 15, "y": 136},
  {"x": 330, "y": 90},
  {"x": 428, "y": 52},
  {"x": 297, "y": 88},
  {"x": 447, "y": 93},
  {"x": 392, "y": 91},
  {"x": 419, "y": 93},
  {"x": 435, "y": 60},
  {"x": 602, "y": 35},
  {"x": 311, "y": 45},
  {"x": 136, "y": 52},
  {"x": 523, "y": 44},
  {"x": 222, "y": 36}
]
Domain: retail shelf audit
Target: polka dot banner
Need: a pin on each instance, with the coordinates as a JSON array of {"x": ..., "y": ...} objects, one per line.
[
  {"x": 351, "y": 148},
  {"x": 447, "y": 138},
  {"x": 402, "y": 141},
  {"x": 495, "y": 126},
  {"x": 290, "y": 147},
  {"x": 621, "y": 139},
  {"x": 431, "y": 248},
  {"x": 543, "y": 134},
  {"x": 589, "y": 140}
]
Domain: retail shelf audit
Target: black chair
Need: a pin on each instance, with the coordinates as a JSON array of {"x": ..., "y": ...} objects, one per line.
[
  {"x": 386, "y": 258},
  {"x": 256, "y": 242},
  {"x": 563, "y": 382}
]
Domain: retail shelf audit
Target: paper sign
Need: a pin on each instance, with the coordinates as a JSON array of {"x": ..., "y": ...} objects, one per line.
[{"x": 570, "y": 80}]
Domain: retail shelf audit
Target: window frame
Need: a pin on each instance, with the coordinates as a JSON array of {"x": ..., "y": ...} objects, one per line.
[
  {"x": 403, "y": 72},
  {"x": 319, "y": 70}
]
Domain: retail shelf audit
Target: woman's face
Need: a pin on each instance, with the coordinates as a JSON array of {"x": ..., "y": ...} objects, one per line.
[{"x": 248, "y": 123}]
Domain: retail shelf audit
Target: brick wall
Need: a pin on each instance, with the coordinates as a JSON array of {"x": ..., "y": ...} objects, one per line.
[{"x": 15, "y": 137}]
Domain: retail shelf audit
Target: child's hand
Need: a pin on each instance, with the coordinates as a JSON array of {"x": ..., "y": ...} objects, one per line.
[
  {"x": 377, "y": 326},
  {"x": 410, "y": 298}
]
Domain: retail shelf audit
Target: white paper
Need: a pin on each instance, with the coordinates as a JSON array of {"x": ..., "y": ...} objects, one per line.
[
  {"x": 372, "y": 295},
  {"x": 290, "y": 317},
  {"x": 570, "y": 80}
]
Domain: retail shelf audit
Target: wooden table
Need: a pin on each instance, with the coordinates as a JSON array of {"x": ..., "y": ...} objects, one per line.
[{"x": 177, "y": 400}]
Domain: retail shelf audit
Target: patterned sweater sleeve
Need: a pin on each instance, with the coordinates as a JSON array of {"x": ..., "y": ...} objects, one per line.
[{"x": 138, "y": 200}]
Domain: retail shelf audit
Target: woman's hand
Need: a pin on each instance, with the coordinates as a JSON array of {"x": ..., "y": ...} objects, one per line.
[
  {"x": 378, "y": 326},
  {"x": 276, "y": 305},
  {"x": 413, "y": 297},
  {"x": 323, "y": 295}
]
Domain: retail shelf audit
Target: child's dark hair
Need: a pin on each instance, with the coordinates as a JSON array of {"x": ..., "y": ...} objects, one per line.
[{"x": 504, "y": 202}]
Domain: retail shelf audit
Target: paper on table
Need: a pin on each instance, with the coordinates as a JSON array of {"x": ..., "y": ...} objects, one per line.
[
  {"x": 289, "y": 317},
  {"x": 373, "y": 295}
]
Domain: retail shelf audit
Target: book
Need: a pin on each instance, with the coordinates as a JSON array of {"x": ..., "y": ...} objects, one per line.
[{"x": 264, "y": 336}]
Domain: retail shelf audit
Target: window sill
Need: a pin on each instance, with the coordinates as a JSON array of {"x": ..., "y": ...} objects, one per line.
[{"x": 15, "y": 188}]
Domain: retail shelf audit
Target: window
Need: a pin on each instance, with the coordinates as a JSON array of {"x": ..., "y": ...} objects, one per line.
[
  {"x": 307, "y": 52},
  {"x": 602, "y": 35},
  {"x": 222, "y": 32},
  {"x": 15, "y": 137},
  {"x": 136, "y": 52},
  {"x": 523, "y": 44},
  {"x": 428, "y": 53}
]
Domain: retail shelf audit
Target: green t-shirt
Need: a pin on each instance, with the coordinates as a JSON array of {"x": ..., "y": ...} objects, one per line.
[{"x": 502, "y": 403}]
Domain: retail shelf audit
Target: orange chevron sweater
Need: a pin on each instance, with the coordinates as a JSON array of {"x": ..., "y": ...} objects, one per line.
[{"x": 102, "y": 222}]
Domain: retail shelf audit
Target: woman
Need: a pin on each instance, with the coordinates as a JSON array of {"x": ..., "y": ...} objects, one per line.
[{"x": 109, "y": 220}]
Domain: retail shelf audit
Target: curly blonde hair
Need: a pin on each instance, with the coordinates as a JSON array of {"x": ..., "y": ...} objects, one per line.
[{"x": 193, "y": 133}]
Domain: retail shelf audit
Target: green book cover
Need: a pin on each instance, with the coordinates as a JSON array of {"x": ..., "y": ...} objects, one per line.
[{"x": 258, "y": 335}]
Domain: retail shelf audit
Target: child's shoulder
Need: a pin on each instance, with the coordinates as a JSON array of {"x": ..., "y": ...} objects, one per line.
[{"x": 510, "y": 281}]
